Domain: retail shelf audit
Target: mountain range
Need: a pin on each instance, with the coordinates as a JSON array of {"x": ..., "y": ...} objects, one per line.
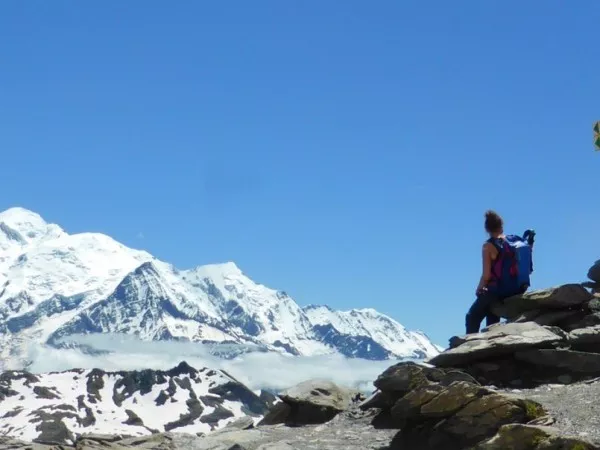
[
  {"x": 55, "y": 408},
  {"x": 55, "y": 285}
]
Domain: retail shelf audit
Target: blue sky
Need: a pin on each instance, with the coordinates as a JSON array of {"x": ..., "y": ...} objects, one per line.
[{"x": 342, "y": 151}]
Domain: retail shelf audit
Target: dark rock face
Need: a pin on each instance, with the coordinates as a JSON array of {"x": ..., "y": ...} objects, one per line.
[
  {"x": 45, "y": 392},
  {"x": 253, "y": 405},
  {"x": 268, "y": 398},
  {"x": 351, "y": 346}
]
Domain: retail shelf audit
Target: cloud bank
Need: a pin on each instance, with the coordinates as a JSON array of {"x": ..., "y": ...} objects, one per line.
[{"x": 257, "y": 370}]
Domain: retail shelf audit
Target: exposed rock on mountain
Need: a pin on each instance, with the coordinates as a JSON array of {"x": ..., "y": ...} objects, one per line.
[
  {"x": 55, "y": 408},
  {"x": 54, "y": 285}
]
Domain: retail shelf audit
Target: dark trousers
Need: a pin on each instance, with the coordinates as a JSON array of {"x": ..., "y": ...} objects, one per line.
[{"x": 479, "y": 310}]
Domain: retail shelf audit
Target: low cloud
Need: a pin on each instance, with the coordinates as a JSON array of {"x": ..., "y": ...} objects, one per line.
[{"x": 257, "y": 370}]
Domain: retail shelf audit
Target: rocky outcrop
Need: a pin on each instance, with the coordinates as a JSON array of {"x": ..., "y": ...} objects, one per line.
[
  {"x": 569, "y": 298},
  {"x": 549, "y": 336},
  {"x": 531, "y": 437},
  {"x": 443, "y": 409},
  {"x": 310, "y": 402}
]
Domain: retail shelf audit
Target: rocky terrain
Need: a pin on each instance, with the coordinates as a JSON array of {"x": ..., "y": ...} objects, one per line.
[
  {"x": 530, "y": 383},
  {"x": 56, "y": 286}
]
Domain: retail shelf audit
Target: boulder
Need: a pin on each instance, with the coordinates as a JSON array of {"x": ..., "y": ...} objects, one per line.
[
  {"x": 497, "y": 342},
  {"x": 310, "y": 402},
  {"x": 560, "y": 297},
  {"x": 530, "y": 437},
  {"x": 444, "y": 409},
  {"x": 594, "y": 272}
]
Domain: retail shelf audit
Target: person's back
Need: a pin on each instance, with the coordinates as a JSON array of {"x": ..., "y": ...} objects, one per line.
[{"x": 506, "y": 270}]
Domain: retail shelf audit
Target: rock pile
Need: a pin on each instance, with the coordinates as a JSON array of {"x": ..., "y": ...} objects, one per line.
[
  {"x": 550, "y": 336},
  {"x": 446, "y": 409}
]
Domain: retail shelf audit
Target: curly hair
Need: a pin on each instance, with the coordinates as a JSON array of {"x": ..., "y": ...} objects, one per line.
[{"x": 493, "y": 222}]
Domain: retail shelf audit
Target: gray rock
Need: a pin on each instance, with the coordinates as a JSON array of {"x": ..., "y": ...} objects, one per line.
[
  {"x": 585, "y": 336},
  {"x": 7, "y": 443},
  {"x": 530, "y": 437},
  {"x": 594, "y": 272},
  {"x": 574, "y": 361},
  {"x": 546, "y": 318},
  {"x": 243, "y": 423},
  {"x": 319, "y": 393},
  {"x": 496, "y": 342},
  {"x": 310, "y": 402},
  {"x": 560, "y": 297}
]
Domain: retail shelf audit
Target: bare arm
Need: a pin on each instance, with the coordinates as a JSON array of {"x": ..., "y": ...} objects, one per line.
[{"x": 486, "y": 259}]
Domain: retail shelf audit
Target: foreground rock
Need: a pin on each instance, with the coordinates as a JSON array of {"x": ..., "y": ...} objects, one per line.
[
  {"x": 531, "y": 437},
  {"x": 524, "y": 353},
  {"x": 311, "y": 402},
  {"x": 520, "y": 361},
  {"x": 445, "y": 409},
  {"x": 500, "y": 340}
]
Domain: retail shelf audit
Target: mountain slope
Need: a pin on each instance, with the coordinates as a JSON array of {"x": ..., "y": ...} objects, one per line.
[
  {"x": 58, "y": 407},
  {"x": 374, "y": 329},
  {"x": 54, "y": 285}
]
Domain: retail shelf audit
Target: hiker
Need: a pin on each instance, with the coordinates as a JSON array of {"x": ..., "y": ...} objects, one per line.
[{"x": 507, "y": 264}]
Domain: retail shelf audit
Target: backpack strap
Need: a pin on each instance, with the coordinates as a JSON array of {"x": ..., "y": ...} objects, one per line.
[{"x": 497, "y": 264}]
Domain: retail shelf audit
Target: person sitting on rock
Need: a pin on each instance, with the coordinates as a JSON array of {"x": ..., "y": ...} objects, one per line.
[{"x": 504, "y": 275}]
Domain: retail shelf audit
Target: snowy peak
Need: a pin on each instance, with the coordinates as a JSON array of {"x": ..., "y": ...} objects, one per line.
[
  {"x": 61, "y": 406},
  {"x": 54, "y": 285},
  {"x": 25, "y": 226},
  {"x": 369, "y": 323}
]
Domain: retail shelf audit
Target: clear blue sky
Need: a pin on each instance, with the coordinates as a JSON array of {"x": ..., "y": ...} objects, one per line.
[{"x": 342, "y": 151}]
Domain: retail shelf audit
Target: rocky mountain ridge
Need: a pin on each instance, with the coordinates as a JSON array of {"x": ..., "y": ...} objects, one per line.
[
  {"x": 54, "y": 285},
  {"x": 57, "y": 408}
]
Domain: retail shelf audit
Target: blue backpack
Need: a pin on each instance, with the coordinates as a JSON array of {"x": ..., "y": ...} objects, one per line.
[{"x": 514, "y": 264}]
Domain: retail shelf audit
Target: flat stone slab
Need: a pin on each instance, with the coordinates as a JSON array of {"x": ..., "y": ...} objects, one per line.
[
  {"x": 498, "y": 341},
  {"x": 560, "y": 297},
  {"x": 583, "y": 336},
  {"x": 573, "y": 361}
]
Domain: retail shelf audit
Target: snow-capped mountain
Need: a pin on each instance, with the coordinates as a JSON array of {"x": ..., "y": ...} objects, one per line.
[
  {"x": 361, "y": 331},
  {"x": 55, "y": 408},
  {"x": 54, "y": 285}
]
